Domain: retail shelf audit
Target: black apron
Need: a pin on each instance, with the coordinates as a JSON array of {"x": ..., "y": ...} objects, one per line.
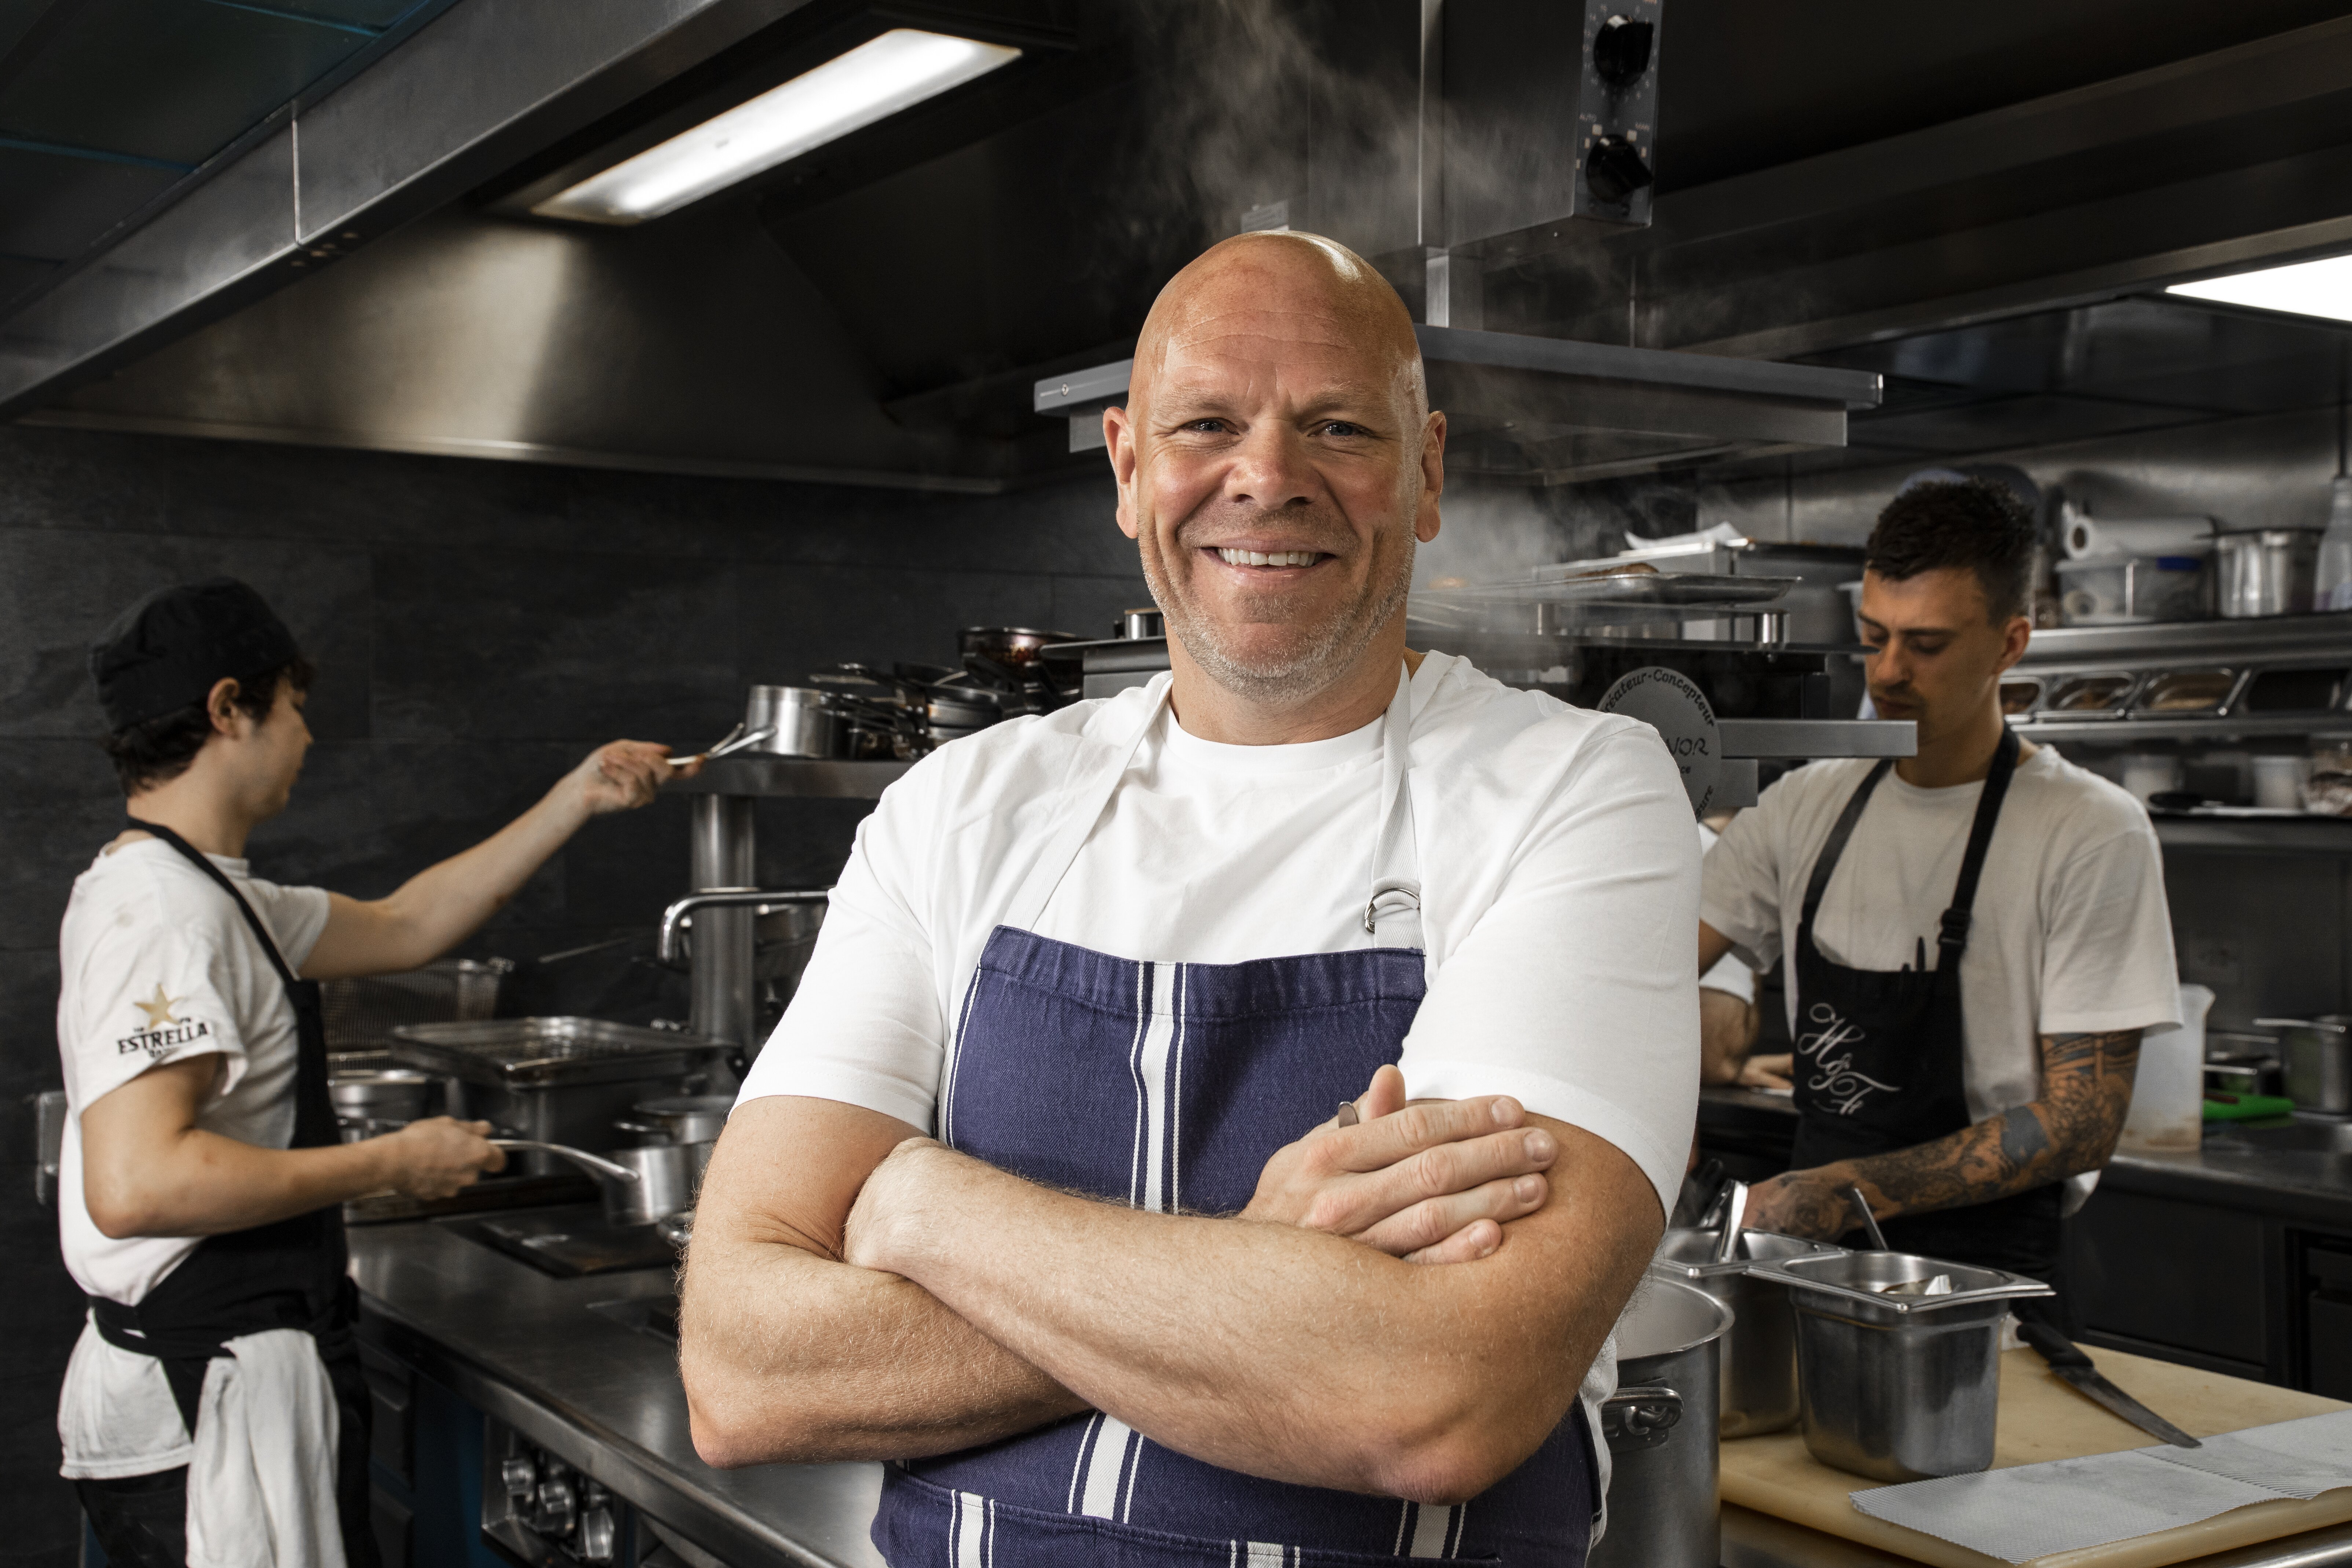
[
  {"x": 1880, "y": 1054},
  {"x": 292, "y": 1274}
]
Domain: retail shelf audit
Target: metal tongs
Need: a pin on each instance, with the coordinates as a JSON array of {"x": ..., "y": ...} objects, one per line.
[{"x": 729, "y": 743}]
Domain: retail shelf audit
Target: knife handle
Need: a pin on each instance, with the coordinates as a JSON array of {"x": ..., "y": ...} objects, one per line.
[{"x": 2056, "y": 1348}]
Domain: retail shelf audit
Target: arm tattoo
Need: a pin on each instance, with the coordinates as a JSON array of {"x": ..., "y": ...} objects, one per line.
[{"x": 2087, "y": 1082}]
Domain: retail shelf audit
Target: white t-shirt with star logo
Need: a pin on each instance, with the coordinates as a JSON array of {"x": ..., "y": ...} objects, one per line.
[{"x": 156, "y": 965}]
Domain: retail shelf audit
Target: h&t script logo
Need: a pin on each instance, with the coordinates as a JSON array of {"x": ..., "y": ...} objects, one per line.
[
  {"x": 165, "y": 1031},
  {"x": 1834, "y": 1086}
]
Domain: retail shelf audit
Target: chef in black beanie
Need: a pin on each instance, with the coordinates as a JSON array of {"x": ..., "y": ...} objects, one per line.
[{"x": 203, "y": 1175}]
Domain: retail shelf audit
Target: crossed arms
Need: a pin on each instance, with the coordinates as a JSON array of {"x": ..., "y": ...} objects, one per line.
[
  {"x": 857, "y": 1292},
  {"x": 2086, "y": 1084}
]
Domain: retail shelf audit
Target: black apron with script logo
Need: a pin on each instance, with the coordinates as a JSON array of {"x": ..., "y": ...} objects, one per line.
[
  {"x": 291, "y": 1274},
  {"x": 1879, "y": 1057}
]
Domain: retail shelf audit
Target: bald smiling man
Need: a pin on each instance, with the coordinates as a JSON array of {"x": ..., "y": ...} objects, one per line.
[{"x": 1037, "y": 1188}]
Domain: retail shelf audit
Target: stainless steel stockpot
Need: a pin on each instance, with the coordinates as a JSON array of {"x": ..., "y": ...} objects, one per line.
[
  {"x": 383, "y": 1094},
  {"x": 1759, "y": 1388},
  {"x": 2265, "y": 570},
  {"x": 2316, "y": 1056},
  {"x": 1901, "y": 1386},
  {"x": 1660, "y": 1427}
]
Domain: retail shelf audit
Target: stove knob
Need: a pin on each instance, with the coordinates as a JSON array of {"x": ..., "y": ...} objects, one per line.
[
  {"x": 597, "y": 1536},
  {"x": 1621, "y": 51},
  {"x": 518, "y": 1477},
  {"x": 1613, "y": 169},
  {"x": 557, "y": 1509}
]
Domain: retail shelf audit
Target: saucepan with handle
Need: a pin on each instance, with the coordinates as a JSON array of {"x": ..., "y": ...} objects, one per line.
[{"x": 639, "y": 1186}]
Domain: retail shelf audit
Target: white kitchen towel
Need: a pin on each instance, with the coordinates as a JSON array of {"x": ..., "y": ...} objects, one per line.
[
  {"x": 261, "y": 1486},
  {"x": 2302, "y": 1458},
  {"x": 2032, "y": 1511}
]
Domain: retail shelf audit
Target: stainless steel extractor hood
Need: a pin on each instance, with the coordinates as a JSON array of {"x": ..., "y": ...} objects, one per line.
[{"x": 1551, "y": 410}]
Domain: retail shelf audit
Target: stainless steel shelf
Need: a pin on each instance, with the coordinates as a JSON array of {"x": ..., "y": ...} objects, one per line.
[
  {"x": 2129, "y": 731},
  {"x": 2257, "y": 835},
  {"x": 809, "y": 778},
  {"x": 1814, "y": 738},
  {"x": 2271, "y": 636}
]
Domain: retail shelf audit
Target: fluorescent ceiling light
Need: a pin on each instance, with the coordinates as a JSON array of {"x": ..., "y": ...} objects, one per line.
[
  {"x": 871, "y": 82},
  {"x": 2305, "y": 288}
]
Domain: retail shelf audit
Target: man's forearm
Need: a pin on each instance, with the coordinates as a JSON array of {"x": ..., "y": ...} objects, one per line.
[
  {"x": 2086, "y": 1093},
  {"x": 201, "y": 1184},
  {"x": 1262, "y": 1348},
  {"x": 861, "y": 1366}
]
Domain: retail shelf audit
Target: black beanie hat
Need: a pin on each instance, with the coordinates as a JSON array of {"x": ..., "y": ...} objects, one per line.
[{"x": 167, "y": 651}]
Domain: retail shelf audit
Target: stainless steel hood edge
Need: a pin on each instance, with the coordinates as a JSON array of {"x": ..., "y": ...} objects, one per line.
[
  {"x": 1678, "y": 407},
  {"x": 473, "y": 90}
]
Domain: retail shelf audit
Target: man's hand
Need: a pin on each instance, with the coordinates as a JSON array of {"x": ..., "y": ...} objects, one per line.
[
  {"x": 439, "y": 1156},
  {"x": 623, "y": 775},
  {"x": 1434, "y": 1183},
  {"x": 1768, "y": 1072}
]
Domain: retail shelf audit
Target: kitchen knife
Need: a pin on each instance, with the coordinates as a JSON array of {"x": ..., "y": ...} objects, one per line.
[{"x": 2072, "y": 1365}]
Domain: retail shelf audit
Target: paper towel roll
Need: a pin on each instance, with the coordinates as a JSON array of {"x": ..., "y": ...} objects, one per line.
[{"x": 2087, "y": 537}]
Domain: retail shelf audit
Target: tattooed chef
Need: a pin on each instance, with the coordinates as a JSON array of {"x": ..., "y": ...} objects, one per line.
[{"x": 1974, "y": 938}]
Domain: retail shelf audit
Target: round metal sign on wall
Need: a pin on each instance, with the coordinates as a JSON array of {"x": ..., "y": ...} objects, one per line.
[{"x": 1669, "y": 702}]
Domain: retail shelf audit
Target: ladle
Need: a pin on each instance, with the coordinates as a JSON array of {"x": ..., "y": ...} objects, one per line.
[{"x": 1869, "y": 1220}]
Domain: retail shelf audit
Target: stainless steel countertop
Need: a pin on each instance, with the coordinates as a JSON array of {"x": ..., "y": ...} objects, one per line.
[
  {"x": 526, "y": 1348},
  {"x": 2306, "y": 1186},
  {"x": 529, "y": 1349}
]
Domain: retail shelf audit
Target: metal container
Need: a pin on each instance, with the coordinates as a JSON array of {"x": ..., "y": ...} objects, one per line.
[
  {"x": 1660, "y": 1425},
  {"x": 2265, "y": 570},
  {"x": 2316, "y": 1056},
  {"x": 1898, "y": 1387},
  {"x": 681, "y": 1117},
  {"x": 1759, "y": 1388},
  {"x": 1136, "y": 625},
  {"x": 387, "y": 1094},
  {"x": 666, "y": 1174},
  {"x": 556, "y": 1081},
  {"x": 799, "y": 721},
  {"x": 693, "y": 1121}
]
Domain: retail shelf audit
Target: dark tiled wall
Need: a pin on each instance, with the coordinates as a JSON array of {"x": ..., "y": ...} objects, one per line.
[{"x": 477, "y": 627}]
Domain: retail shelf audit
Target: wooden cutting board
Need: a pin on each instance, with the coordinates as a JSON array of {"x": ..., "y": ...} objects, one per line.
[{"x": 2042, "y": 1419}]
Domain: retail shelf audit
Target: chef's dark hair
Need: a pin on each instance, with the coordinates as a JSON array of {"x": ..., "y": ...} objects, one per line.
[
  {"x": 1978, "y": 524},
  {"x": 159, "y": 750}
]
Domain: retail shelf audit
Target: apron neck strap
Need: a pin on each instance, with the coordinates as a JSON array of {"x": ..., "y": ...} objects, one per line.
[
  {"x": 1952, "y": 933},
  {"x": 1952, "y": 940},
  {"x": 1391, "y": 912},
  {"x": 203, "y": 862}
]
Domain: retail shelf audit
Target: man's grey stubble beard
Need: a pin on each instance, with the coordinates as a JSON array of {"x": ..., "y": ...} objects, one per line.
[{"x": 1327, "y": 654}]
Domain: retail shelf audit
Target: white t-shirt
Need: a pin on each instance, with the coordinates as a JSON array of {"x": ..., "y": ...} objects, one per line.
[
  {"x": 1558, "y": 890},
  {"x": 2070, "y": 933},
  {"x": 1729, "y": 973},
  {"x": 155, "y": 965}
]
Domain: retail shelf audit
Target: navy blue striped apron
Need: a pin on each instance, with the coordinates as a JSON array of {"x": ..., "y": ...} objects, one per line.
[{"x": 1168, "y": 1086}]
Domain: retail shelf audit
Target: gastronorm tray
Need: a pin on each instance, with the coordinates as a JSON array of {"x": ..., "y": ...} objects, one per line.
[{"x": 548, "y": 1053}]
